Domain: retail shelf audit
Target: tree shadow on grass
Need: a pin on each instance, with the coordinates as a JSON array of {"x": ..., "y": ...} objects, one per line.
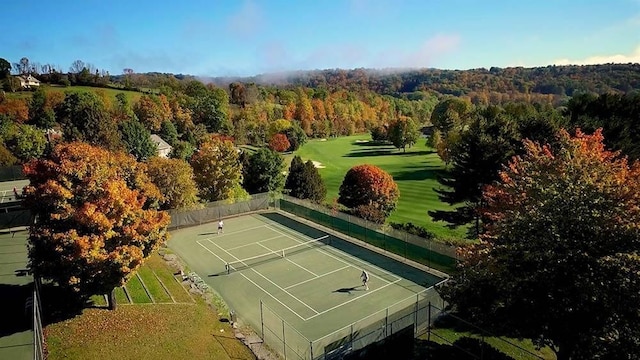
[
  {"x": 371, "y": 143},
  {"x": 59, "y": 304},
  {"x": 465, "y": 348},
  {"x": 419, "y": 173},
  {"x": 387, "y": 152}
]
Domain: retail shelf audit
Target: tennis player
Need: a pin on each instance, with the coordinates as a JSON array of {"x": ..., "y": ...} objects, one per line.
[
  {"x": 365, "y": 279},
  {"x": 220, "y": 225}
]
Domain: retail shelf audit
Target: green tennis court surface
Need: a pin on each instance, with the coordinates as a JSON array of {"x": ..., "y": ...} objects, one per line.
[
  {"x": 16, "y": 286},
  {"x": 310, "y": 291}
]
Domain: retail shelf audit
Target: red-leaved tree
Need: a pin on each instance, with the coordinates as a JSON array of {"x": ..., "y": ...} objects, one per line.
[
  {"x": 370, "y": 192},
  {"x": 279, "y": 143},
  {"x": 560, "y": 258}
]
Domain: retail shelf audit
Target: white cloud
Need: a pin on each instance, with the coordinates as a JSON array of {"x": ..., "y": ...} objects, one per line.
[{"x": 633, "y": 57}]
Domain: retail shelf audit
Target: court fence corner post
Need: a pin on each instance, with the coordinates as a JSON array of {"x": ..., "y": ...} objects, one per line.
[
  {"x": 429, "y": 322},
  {"x": 261, "y": 321}
]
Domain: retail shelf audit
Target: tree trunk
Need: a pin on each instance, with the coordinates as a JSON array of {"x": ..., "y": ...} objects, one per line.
[{"x": 111, "y": 300}]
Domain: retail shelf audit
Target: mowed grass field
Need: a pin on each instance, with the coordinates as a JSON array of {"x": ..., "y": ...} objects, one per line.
[
  {"x": 156, "y": 318},
  {"x": 415, "y": 171},
  {"x": 107, "y": 93}
]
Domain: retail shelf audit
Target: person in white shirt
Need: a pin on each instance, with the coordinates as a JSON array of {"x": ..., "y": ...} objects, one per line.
[{"x": 220, "y": 225}]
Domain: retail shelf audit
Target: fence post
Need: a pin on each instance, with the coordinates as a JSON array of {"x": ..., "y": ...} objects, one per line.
[
  {"x": 386, "y": 323},
  {"x": 351, "y": 338},
  {"x": 261, "y": 321},
  {"x": 429, "y": 322},
  {"x": 415, "y": 316}
]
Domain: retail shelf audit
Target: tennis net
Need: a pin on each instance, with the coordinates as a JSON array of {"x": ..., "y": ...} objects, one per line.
[{"x": 275, "y": 254}]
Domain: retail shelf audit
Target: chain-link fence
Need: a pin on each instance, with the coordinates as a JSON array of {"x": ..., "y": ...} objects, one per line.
[
  {"x": 217, "y": 210},
  {"x": 428, "y": 252},
  {"x": 412, "y": 314},
  {"x": 421, "y": 317},
  {"x": 9, "y": 173},
  {"x": 38, "y": 336},
  {"x": 469, "y": 341}
]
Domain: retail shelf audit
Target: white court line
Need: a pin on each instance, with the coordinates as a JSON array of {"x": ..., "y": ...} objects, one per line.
[
  {"x": 241, "y": 246},
  {"x": 348, "y": 301},
  {"x": 214, "y": 254},
  {"x": 293, "y": 262},
  {"x": 341, "y": 260},
  {"x": 256, "y": 285},
  {"x": 239, "y": 231},
  {"x": 269, "y": 280},
  {"x": 317, "y": 277}
]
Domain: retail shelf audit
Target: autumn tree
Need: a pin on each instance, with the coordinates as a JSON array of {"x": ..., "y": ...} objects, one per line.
[
  {"x": 304, "y": 112},
  {"x": 149, "y": 112},
  {"x": 559, "y": 262},
  {"x": 95, "y": 215},
  {"x": 403, "y": 132},
  {"x": 279, "y": 126},
  {"x": 175, "y": 180},
  {"x": 217, "y": 169},
  {"x": 304, "y": 181},
  {"x": 279, "y": 143},
  {"x": 380, "y": 133},
  {"x": 83, "y": 117},
  {"x": 262, "y": 171},
  {"x": 369, "y": 192},
  {"x": 137, "y": 140},
  {"x": 16, "y": 109}
]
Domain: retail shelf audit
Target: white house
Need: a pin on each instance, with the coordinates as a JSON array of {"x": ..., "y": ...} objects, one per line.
[
  {"x": 163, "y": 147},
  {"x": 28, "y": 81}
]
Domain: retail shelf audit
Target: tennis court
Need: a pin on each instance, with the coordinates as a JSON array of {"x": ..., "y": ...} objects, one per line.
[{"x": 298, "y": 282}]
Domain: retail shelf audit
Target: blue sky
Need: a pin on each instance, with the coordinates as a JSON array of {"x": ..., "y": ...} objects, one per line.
[{"x": 249, "y": 37}]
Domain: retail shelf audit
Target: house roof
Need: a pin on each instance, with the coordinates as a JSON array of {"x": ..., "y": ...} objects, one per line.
[
  {"x": 162, "y": 145},
  {"x": 28, "y": 78}
]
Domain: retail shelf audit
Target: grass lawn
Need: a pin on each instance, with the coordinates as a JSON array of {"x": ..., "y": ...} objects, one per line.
[
  {"x": 415, "y": 172},
  {"x": 168, "y": 324},
  {"x": 446, "y": 336},
  {"x": 110, "y": 93}
]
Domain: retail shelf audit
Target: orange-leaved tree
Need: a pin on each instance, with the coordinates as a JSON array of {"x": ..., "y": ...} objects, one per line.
[
  {"x": 95, "y": 218},
  {"x": 370, "y": 192},
  {"x": 560, "y": 258},
  {"x": 175, "y": 179},
  {"x": 279, "y": 143},
  {"x": 217, "y": 169}
]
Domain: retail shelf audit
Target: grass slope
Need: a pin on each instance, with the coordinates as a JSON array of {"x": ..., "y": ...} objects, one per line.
[
  {"x": 179, "y": 327},
  {"x": 415, "y": 172},
  {"x": 109, "y": 93}
]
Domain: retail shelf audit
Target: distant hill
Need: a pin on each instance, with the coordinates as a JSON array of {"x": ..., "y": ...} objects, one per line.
[{"x": 549, "y": 80}]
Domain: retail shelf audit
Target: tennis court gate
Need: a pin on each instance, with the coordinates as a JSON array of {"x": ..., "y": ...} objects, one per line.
[{"x": 416, "y": 313}]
